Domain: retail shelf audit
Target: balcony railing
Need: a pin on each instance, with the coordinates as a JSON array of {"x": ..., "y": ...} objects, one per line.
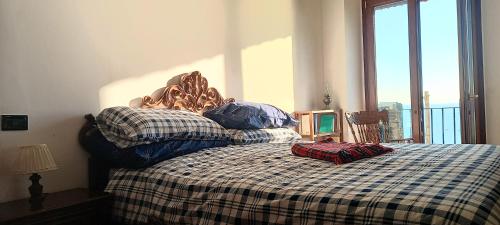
[{"x": 441, "y": 121}]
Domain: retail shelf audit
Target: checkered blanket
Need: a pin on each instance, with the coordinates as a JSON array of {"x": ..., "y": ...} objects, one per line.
[
  {"x": 266, "y": 184},
  {"x": 128, "y": 127},
  {"x": 270, "y": 135}
]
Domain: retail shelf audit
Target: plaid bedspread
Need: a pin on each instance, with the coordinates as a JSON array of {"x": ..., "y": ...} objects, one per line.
[{"x": 266, "y": 184}]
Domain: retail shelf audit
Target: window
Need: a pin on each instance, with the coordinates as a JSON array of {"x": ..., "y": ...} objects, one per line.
[{"x": 423, "y": 64}]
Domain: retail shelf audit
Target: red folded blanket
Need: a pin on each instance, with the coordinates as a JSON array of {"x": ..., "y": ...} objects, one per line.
[{"x": 339, "y": 153}]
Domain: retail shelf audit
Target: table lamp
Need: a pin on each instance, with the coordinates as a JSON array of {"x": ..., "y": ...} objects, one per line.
[{"x": 34, "y": 159}]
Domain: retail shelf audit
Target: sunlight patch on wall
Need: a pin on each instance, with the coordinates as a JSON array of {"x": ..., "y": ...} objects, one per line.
[
  {"x": 122, "y": 92},
  {"x": 267, "y": 73}
]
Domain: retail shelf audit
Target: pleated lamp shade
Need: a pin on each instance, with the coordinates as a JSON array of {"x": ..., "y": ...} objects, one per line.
[{"x": 34, "y": 159}]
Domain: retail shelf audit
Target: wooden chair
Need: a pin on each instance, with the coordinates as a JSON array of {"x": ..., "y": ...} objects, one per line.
[{"x": 372, "y": 127}]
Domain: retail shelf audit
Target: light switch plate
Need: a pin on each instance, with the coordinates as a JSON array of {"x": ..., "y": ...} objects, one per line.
[{"x": 14, "y": 122}]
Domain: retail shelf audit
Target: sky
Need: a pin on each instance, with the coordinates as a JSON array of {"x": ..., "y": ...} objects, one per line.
[{"x": 439, "y": 39}]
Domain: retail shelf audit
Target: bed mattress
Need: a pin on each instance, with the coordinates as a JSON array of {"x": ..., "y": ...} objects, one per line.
[{"x": 267, "y": 184}]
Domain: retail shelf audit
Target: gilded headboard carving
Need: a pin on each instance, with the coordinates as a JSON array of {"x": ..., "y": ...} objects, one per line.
[{"x": 190, "y": 93}]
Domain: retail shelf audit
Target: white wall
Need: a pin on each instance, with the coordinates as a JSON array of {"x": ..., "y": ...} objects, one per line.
[
  {"x": 308, "y": 55},
  {"x": 491, "y": 51},
  {"x": 343, "y": 65},
  {"x": 61, "y": 59}
]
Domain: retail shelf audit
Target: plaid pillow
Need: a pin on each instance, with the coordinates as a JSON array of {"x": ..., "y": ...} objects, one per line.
[
  {"x": 272, "y": 135},
  {"x": 127, "y": 127},
  {"x": 339, "y": 153}
]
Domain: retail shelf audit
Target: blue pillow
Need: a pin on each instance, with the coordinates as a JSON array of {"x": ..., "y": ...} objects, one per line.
[
  {"x": 142, "y": 155},
  {"x": 149, "y": 154},
  {"x": 248, "y": 115}
]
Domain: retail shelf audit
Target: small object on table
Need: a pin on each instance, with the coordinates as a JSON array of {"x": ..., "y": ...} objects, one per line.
[
  {"x": 327, "y": 100},
  {"x": 34, "y": 159},
  {"x": 76, "y": 206},
  {"x": 317, "y": 125}
]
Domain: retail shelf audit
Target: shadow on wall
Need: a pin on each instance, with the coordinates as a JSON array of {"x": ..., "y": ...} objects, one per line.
[
  {"x": 244, "y": 50},
  {"x": 121, "y": 92},
  {"x": 63, "y": 59},
  {"x": 266, "y": 75}
]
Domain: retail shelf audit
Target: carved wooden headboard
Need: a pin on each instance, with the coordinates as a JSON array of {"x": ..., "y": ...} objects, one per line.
[{"x": 190, "y": 93}]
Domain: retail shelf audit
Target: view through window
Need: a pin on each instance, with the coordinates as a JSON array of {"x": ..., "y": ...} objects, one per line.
[{"x": 440, "y": 69}]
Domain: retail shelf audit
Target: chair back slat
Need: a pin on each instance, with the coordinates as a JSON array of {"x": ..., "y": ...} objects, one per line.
[
  {"x": 369, "y": 126},
  {"x": 387, "y": 131},
  {"x": 361, "y": 131}
]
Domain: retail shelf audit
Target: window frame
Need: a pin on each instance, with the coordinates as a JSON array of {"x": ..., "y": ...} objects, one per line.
[
  {"x": 471, "y": 72},
  {"x": 415, "y": 61}
]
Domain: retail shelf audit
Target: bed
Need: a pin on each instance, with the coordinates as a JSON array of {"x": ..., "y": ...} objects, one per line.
[{"x": 267, "y": 184}]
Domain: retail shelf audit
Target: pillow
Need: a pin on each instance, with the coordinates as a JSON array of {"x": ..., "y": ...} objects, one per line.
[
  {"x": 276, "y": 135},
  {"x": 127, "y": 127},
  {"x": 247, "y": 115},
  {"x": 139, "y": 156}
]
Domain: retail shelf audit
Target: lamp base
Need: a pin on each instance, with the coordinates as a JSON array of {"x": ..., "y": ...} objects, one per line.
[{"x": 36, "y": 190}]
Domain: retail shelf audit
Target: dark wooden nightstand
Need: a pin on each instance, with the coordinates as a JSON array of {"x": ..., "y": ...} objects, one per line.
[{"x": 75, "y": 207}]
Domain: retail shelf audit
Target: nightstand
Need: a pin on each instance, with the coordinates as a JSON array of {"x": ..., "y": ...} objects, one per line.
[
  {"x": 75, "y": 207},
  {"x": 317, "y": 125}
]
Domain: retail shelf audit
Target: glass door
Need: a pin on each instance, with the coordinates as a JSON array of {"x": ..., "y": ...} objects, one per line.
[
  {"x": 423, "y": 63},
  {"x": 393, "y": 67},
  {"x": 440, "y": 71}
]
